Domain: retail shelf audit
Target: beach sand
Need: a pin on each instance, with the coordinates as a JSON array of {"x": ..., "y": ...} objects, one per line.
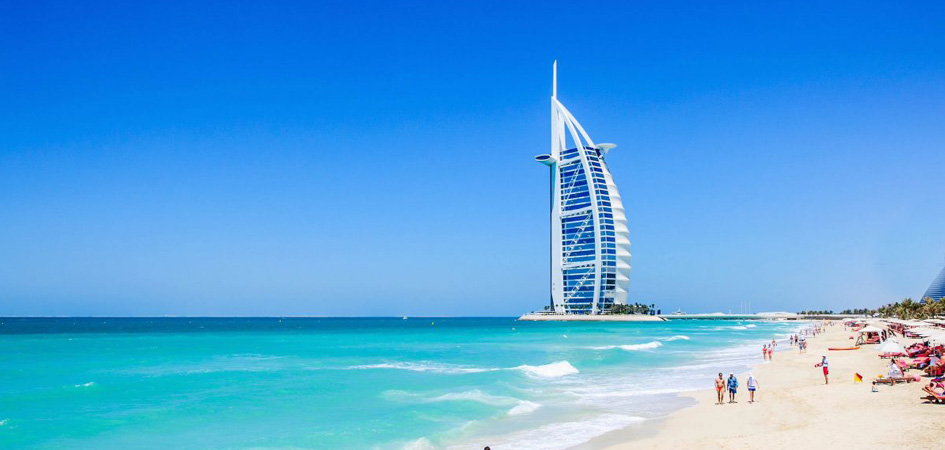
[{"x": 795, "y": 409}]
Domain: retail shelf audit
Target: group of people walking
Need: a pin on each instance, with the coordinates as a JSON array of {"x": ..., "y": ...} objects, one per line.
[
  {"x": 767, "y": 351},
  {"x": 731, "y": 385},
  {"x": 800, "y": 342}
]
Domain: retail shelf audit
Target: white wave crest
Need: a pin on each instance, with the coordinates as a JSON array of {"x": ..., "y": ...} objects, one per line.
[
  {"x": 89, "y": 384},
  {"x": 631, "y": 347},
  {"x": 678, "y": 337},
  {"x": 523, "y": 407},
  {"x": 425, "y": 367},
  {"x": 751, "y": 325},
  {"x": 553, "y": 370},
  {"x": 563, "y": 435},
  {"x": 3, "y": 422},
  {"x": 518, "y": 406},
  {"x": 419, "y": 444},
  {"x": 475, "y": 395}
]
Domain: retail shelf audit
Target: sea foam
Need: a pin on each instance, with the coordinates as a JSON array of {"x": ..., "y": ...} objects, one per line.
[
  {"x": 518, "y": 406},
  {"x": 678, "y": 337},
  {"x": 553, "y": 370},
  {"x": 631, "y": 347},
  {"x": 523, "y": 407},
  {"x": 562, "y": 435},
  {"x": 419, "y": 444},
  {"x": 425, "y": 367}
]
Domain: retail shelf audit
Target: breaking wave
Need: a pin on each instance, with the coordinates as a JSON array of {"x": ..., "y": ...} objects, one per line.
[
  {"x": 553, "y": 370},
  {"x": 517, "y": 406},
  {"x": 562, "y": 435},
  {"x": 419, "y": 444},
  {"x": 425, "y": 367},
  {"x": 631, "y": 347}
]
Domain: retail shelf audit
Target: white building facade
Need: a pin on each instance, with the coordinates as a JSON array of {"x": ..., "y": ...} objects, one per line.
[{"x": 590, "y": 242}]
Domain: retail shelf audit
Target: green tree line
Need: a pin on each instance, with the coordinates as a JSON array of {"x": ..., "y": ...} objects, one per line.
[
  {"x": 911, "y": 309},
  {"x": 636, "y": 308},
  {"x": 906, "y": 309}
]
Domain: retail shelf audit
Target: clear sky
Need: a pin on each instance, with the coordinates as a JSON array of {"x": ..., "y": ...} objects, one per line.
[{"x": 375, "y": 158}]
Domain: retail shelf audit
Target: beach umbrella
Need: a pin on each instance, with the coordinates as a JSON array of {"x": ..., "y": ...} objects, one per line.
[
  {"x": 870, "y": 329},
  {"x": 891, "y": 346}
]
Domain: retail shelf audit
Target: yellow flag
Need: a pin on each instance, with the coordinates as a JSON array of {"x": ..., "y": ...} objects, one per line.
[{"x": 857, "y": 378}]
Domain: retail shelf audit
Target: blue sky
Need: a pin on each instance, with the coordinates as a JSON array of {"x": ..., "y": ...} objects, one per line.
[{"x": 375, "y": 158}]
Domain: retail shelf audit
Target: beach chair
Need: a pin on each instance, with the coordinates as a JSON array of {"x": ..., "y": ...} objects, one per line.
[
  {"x": 933, "y": 396},
  {"x": 893, "y": 380}
]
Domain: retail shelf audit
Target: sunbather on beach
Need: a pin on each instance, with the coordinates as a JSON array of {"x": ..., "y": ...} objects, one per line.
[
  {"x": 934, "y": 360},
  {"x": 720, "y": 388},
  {"x": 894, "y": 370},
  {"x": 935, "y": 389}
]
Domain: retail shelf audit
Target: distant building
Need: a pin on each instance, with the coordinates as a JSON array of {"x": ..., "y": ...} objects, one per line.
[
  {"x": 590, "y": 243},
  {"x": 937, "y": 289}
]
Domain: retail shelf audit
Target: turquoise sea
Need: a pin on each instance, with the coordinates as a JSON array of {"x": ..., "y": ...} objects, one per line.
[{"x": 351, "y": 383}]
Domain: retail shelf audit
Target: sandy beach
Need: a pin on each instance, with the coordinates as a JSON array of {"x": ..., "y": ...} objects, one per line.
[{"x": 795, "y": 409}]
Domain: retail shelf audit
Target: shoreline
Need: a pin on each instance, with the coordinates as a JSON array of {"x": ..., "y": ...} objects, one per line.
[
  {"x": 794, "y": 407},
  {"x": 590, "y": 318}
]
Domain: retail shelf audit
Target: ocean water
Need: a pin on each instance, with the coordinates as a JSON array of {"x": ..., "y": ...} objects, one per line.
[{"x": 352, "y": 383}]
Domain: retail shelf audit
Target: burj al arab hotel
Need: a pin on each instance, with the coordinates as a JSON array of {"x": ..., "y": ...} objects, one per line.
[{"x": 590, "y": 243}]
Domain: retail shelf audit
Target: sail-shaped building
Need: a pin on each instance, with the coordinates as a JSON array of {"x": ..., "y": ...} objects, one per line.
[
  {"x": 590, "y": 242},
  {"x": 936, "y": 290}
]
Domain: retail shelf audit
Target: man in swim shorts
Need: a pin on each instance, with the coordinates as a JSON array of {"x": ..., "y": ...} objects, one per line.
[
  {"x": 732, "y": 387},
  {"x": 752, "y": 386},
  {"x": 719, "y": 386}
]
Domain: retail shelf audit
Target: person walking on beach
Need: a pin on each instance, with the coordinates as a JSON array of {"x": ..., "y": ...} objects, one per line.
[
  {"x": 752, "y": 386},
  {"x": 732, "y": 387},
  {"x": 764, "y": 352},
  {"x": 770, "y": 352},
  {"x": 823, "y": 363},
  {"x": 720, "y": 388}
]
